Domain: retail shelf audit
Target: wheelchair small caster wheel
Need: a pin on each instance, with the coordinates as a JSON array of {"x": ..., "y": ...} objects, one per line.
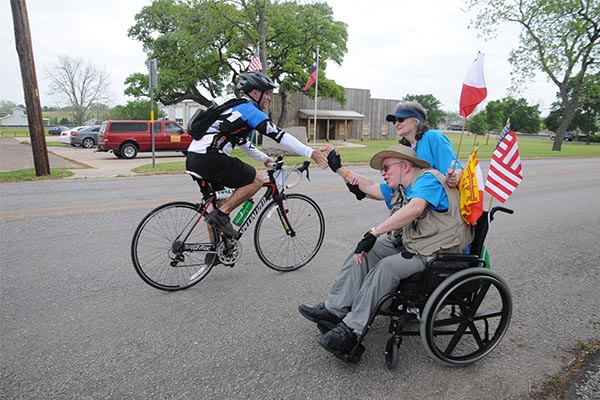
[{"x": 391, "y": 351}]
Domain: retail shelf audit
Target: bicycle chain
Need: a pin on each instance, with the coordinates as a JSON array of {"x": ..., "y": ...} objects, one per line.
[{"x": 229, "y": 251}]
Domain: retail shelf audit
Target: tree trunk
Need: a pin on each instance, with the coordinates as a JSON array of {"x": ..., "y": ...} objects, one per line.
[
  {"x": 570, "y": 107},
  {"x": 283, "y": 118},
  {"x": 30, "y": 88}
]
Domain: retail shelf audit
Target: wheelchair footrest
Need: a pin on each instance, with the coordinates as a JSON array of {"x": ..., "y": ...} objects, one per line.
[{"x": 352, "y": 357}]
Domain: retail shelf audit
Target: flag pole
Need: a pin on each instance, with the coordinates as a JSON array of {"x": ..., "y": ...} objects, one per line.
[
  {"x": 491, "y": 202},
  {"x": 461, "y": 136},
  {"x": 316, "y": 91}
]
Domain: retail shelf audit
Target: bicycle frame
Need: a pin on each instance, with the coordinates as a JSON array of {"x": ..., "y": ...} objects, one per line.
[{"x": 272, "y": 192}]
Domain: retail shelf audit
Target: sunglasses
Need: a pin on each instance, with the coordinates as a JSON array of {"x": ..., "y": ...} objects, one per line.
[
  {"x": 386, "y": 167},
  {"x": 401, "y": 120}
]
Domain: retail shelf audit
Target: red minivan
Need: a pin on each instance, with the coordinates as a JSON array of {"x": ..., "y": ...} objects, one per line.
[{"x": 126, "y": 138}]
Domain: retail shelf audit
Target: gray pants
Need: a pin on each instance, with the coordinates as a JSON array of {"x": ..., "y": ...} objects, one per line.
[{"x": 356, "y": 289}]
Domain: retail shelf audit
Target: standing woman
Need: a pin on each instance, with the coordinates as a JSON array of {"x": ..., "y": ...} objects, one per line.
[{"x": 412, "y": 127}]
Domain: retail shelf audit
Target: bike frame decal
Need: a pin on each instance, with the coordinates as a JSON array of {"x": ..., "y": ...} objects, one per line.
[{"x": 259, "y": 206}]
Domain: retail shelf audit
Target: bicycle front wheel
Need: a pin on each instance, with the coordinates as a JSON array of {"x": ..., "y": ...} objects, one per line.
[
  {"x": 173, "y": 248},
  {"x": 287, "y": 238}
]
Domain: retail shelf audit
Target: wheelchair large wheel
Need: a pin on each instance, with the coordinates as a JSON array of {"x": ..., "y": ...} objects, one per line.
[{"x": 466, "y": 317}]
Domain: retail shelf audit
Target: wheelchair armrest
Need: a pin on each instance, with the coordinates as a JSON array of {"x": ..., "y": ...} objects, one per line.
[{"x": 454, "y": 257}]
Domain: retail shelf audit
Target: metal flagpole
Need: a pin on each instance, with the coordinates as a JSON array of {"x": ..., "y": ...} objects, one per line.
[{"x": 316, "y": 91}]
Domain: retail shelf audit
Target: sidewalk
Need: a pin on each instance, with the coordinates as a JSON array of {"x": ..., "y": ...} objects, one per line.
[{"x": 16, "y": 153}]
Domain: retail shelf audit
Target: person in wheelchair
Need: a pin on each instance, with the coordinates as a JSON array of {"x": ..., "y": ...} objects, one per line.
[{"x": 427, "y": 211}]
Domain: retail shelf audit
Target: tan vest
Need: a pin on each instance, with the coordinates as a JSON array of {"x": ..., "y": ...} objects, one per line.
[{"x": 435, "y": 231}]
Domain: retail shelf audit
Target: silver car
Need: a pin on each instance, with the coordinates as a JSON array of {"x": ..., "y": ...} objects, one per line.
[{"x": 86, "y": 137}]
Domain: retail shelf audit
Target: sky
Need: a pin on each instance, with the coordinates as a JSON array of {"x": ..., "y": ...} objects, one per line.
[{"x": 395, "y": 48}]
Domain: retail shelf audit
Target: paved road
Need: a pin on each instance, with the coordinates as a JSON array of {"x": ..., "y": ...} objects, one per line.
[{"x": 76, "y": 322}]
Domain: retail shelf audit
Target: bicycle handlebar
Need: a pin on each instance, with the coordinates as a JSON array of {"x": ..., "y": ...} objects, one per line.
[{"x": 276, "y": 166}]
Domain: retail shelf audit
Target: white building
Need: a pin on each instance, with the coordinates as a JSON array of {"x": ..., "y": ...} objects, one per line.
[{"x": 18, "y": 117}]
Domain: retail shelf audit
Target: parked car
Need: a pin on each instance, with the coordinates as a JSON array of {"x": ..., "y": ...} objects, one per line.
[
  {"x": 57, "y": 130},
  {"x": 126, "y": 138},
  {"x": 86, "y": 137},
  {"x": 65, "y": 136},
  {"x": 567, "y": 137}
]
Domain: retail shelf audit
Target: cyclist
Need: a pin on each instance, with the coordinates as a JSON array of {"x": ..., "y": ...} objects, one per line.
[{"x": 209, "y": 156}]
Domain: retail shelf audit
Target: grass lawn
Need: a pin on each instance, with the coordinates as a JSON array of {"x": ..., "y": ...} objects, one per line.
[
  {"x": 529, "y": 147},
  {"x": 29, "y": 175}
]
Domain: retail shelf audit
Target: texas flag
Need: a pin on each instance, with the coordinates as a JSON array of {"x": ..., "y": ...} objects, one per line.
[
  {"x": 313, "y": 75},
  {"x": 473, "y": 89}
]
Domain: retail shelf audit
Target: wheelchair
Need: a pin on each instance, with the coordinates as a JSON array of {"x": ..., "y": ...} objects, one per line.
[{"x": 457, "y": 305}]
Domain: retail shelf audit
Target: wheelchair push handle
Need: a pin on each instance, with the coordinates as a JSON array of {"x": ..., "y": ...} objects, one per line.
[{"x": 500, "y": 209}]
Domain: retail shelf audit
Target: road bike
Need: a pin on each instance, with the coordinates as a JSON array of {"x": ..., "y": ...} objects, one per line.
[{"x": 173, "y": 248}]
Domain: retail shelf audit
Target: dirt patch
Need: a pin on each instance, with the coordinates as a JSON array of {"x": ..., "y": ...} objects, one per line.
[{"x": 557, "y": 385}]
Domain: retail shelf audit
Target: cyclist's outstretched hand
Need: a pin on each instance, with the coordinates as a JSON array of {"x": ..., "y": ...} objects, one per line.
[{"x": 319, "y": 157}]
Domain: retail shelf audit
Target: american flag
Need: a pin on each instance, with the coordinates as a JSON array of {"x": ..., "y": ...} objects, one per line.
[
  {"x": 255, "y": 64},
  {"x": 505, "y": 172}
]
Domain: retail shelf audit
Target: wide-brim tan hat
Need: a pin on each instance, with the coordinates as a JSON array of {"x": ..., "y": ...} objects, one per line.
[{"x": 397, "y": 151}]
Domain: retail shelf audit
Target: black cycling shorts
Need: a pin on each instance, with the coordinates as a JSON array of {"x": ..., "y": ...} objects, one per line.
[{"x": 220, "y": 168}]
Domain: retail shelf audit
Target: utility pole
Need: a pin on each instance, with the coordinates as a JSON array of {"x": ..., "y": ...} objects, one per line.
[{"x": 30, "y": 87}]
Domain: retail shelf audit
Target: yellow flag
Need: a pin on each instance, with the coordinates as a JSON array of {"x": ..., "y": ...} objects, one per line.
[{"x": 471, "y": 191}]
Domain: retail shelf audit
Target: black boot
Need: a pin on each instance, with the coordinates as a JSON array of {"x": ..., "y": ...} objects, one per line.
[
  {"x": 340, "y": 340},
  {"x": 318, "y": 314}
]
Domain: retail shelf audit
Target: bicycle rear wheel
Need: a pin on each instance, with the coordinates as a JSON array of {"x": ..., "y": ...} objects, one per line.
[
  {"x": 172, "y": 248},
  {"x": 289, "y": 249}
]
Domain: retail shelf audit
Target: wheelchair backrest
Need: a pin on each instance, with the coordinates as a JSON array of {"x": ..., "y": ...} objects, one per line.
[{"x": 481, "y": 230}]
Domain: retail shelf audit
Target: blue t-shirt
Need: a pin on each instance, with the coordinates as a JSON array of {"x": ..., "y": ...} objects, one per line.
[
  {"x": 427, "y": 187},
  {"x": 435, "y": 147}
]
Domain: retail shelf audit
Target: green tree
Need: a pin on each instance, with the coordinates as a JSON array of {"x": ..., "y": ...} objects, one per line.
[
  {"x": 6, "y": 106},
  {"x": 137, "y": 109},
  {"x": 587, "y": 116},
  {"x": 202, "y": 45},
  {"x": 435, "y": 115},
  {"x": 478, "y": 123},
  {"x": 558, "y": 37},
  {"x": 523, "y": 117}
]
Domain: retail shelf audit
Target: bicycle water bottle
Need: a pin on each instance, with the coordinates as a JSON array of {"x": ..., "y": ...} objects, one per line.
[{"x": 244, "y": 212}]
